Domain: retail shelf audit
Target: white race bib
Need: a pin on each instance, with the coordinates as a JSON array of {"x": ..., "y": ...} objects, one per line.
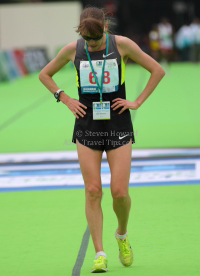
[{"x": 111, "y": 76}]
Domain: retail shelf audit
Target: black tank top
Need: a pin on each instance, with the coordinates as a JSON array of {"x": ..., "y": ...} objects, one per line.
[{"x": 114, "y": 73}]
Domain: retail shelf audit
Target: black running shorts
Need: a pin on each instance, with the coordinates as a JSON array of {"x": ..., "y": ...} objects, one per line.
[{"x": 104, "y": 134}]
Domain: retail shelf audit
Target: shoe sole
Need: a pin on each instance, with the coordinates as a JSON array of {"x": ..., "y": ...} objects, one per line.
[{"x": 99, "y": 270}]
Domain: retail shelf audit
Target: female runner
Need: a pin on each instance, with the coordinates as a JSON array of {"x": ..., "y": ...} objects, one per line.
[{"x": 103, "y": 120}]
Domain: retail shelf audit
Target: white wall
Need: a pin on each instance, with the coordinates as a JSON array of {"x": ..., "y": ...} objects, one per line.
[{"x": 38, "y": 24}]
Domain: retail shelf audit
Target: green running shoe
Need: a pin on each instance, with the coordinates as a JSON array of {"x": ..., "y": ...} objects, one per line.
[
  {"x": 125, "y": 251},
  {"x": 100, "y": 264}
]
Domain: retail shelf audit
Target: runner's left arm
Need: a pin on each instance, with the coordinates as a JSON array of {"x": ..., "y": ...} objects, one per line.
[{"x": 130, "y": 49}]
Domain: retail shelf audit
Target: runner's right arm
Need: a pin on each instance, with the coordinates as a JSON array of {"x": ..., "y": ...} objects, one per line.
[
  {"x": 66, "y": 54},
  {"x": 63, "y": 57}
]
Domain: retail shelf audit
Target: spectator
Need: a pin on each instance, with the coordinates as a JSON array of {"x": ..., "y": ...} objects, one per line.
[
  {"x": 165, "y": 31},
  {"x": 195, "y": 34},
  {"x": 154, "y": 42},
  {"x": 183, "y": 40}
]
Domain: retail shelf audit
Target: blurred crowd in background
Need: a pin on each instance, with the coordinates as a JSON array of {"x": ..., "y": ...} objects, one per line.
[
  {"x": 184, "y": 45},
  {"x": 166, "y": 30}
]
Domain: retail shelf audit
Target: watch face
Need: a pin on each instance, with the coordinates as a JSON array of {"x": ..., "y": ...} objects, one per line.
[{"x": 56, "y": 95}]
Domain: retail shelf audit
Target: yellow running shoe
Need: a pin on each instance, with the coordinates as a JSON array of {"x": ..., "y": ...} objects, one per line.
[
  {"x": 125, "y": 251},
  {"x": 100, "y": 264}
]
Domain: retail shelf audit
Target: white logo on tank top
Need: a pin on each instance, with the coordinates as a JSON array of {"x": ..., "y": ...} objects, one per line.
[
  {"x": 104, "y": 56},
  {"x": 123, "y": 136}
]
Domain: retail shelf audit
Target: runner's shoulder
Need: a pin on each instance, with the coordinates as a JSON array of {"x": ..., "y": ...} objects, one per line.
[
  {"x": 123, "y": 41},
  {"x": 67, "y": 52},
  {"x": 70, "y": 47},
  {"x": 125, "y": 45}
]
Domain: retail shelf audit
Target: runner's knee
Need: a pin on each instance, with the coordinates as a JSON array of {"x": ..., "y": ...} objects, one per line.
[
  {"x": 119, "y": 192},
  {"x": 93, "y": 191}
]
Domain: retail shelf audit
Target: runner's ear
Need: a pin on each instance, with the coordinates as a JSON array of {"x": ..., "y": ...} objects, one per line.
[{"x": 106, "y": 27}]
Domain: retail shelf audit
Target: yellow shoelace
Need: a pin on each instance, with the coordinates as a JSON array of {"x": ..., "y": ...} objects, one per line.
[
  {"x": 99, "y": 260},
  {"x": 125, "y": 247}
]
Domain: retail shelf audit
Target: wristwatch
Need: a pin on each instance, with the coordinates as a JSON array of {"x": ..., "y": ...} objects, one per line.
[{"x": 57, "y": 94}]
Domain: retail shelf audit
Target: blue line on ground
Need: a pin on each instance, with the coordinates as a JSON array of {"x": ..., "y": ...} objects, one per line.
[{"x": 103, "y": 170}]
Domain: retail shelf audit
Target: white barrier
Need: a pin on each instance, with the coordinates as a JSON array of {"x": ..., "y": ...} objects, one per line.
[{"x": 49, "y": 25}]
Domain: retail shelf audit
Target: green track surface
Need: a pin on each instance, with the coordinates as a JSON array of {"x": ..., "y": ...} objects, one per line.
[
  {"x": 41, "y": 232},
  {"x": 31, "y": 120}
]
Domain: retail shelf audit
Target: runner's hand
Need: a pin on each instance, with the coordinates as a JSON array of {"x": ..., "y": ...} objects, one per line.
[
  {"x": 118, "y": 102},
  {"x": 75, "y": 106}
]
